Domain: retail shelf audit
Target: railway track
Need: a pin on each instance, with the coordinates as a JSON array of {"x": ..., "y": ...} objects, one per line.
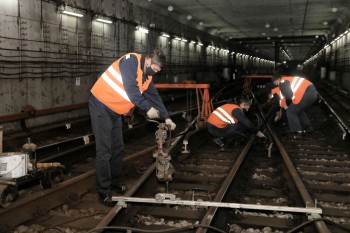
[{"x": 252, "y": 174}]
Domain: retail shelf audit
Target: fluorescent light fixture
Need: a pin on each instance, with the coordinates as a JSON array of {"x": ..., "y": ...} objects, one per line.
[
  {"x": 165, "y": 34},
  {"x": 200, "y": 44},
  {"x": 142, "y": 29},
  {"x": 177, "y": 38},
  {"x": 72, "y": 13},
  {"x": 184, "y": 40},
  {"x": 193, "y": 42},
  {"x": 104, "y": 20}
]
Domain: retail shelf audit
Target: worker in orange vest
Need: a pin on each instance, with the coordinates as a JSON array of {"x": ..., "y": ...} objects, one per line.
[
  {"x": 299, "y": 94},
  {"x": 125, "y": 84},
  {"x": 228, "y": 122},
  {"x": 278, "y": 102}
]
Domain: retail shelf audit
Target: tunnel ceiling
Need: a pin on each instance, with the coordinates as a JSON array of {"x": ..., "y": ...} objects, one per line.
[{"x": 300, "y": 27}]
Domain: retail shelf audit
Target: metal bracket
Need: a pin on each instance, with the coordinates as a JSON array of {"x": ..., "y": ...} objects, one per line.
[
  {"x": 122, "y": 203},
  {"x": 160, "y": 197},
  {"x": 166, "y": 198}
]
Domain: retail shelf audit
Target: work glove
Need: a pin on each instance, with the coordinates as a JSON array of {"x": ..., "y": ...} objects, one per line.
[
  {"x": 278, "y": 116},
  {"x": 170, "y": 123},
  {"x": 260, "y": 134},
  {"x": 153, "y": 113}
]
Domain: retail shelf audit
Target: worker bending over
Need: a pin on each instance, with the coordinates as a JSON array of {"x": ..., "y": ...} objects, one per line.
[
  {"x": 298, "y": 94},
  {"x": 125, "y": 84}
]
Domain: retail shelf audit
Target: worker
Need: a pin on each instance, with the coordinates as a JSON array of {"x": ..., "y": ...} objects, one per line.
[
  {"x": 278, "y": 103},
  {"x": 299, "y": 94},
  {"x": 125, "y": 84},
  {"x": 228, "y": 122}
]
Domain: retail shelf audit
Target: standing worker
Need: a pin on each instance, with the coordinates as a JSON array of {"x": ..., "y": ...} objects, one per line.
[
  {"x": 125, "y": 84},
  {"x": 299, "y": 94},
  {"x": 229, "y": 122}
]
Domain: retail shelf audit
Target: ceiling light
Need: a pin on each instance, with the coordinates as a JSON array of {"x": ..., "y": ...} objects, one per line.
[
  {"x": 102, "y": 20},
  {"x": 263, "y": 33},
  {"x": 334, "y": 9},
  {"x": 267, "y": 25},
  {"x": 72, "y": 13},
  {"x": 177, "y": 38},
  {"x": 275, "y": 29},
  {"x": 201, "y": 23},
  {"x": 325, "y": 23},
  {"x": 165, "y": 34},
  {"x": 170, "y": 8},
  {"x": 142, "y": 29},
  {"x": 193, "y": 42},
  {"x": 200, "y": 44},
  {"x": 189, "y": 17},
  {"x": 184, "y": 40}
]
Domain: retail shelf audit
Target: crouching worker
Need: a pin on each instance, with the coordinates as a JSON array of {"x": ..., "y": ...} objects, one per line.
[{"x": 228, "y": 122}]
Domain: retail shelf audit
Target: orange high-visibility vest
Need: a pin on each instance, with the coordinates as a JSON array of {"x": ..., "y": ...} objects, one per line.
[
  {"x": 298, "y": 86},
  {"x": 282, "y": 100},
  {"x": 109, "y": 88},
  {"x": 222, "y": 116}
]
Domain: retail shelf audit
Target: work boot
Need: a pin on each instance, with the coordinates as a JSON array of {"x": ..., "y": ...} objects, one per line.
[
  {"x": 106, "y": 199},
  {"x": 219, "y": 142},
  {"x": 120, "y": 188},
  {"x": 308, "y": 130},
  {"x": 296, "y": 135}
]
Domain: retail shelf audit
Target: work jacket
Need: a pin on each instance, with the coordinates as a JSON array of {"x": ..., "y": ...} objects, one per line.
[
  {"x": 222, "y": 116},
  {"x": 109, "y": 88},
  {"x": 298, "y": 86},
  {"x": 281, "y": 99}
]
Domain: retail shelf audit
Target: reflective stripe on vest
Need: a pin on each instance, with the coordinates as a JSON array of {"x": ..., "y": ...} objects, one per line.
[
  {"x": 109, "y": 88},
  {"x": 298, "y": 86},
  {"x": 115, "y": 86},
  {"x": 277, "y": 91},
  {"x": 222, "y": 116}
]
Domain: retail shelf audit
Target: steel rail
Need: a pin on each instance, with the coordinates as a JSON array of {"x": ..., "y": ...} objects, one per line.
[
  {"x": 209, "y": 215},
  {"x": 118, "y": 207},
  {"x": 320, "y": 225},
  {"x": 45, "y": 200},
  {"x": 50, "y": 198},
  {"x": 341, "y": 123},
  {"x": 29, "y": 112}
]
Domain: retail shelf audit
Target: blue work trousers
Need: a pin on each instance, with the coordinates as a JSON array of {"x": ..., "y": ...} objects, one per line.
[
  {"x": 107, "y": 129},
  {"x": 297, "y": 118}
]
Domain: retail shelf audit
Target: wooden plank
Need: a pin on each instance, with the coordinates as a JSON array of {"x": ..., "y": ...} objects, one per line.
[
  {"x": 326, "y": 178},
  {"x": 197, "y": 178},
  {"x": 336, "y": 212},
  {"x": 181, "y": 213},
  {"x": 332, "y": 198},
  {"x": 1, "y": 139},
  {"x": 329, "y": 187},
  {"x": 264, "y": 221}
]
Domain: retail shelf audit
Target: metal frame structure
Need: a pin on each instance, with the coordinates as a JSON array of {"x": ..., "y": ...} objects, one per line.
[{"x": 204, "y": 105}]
